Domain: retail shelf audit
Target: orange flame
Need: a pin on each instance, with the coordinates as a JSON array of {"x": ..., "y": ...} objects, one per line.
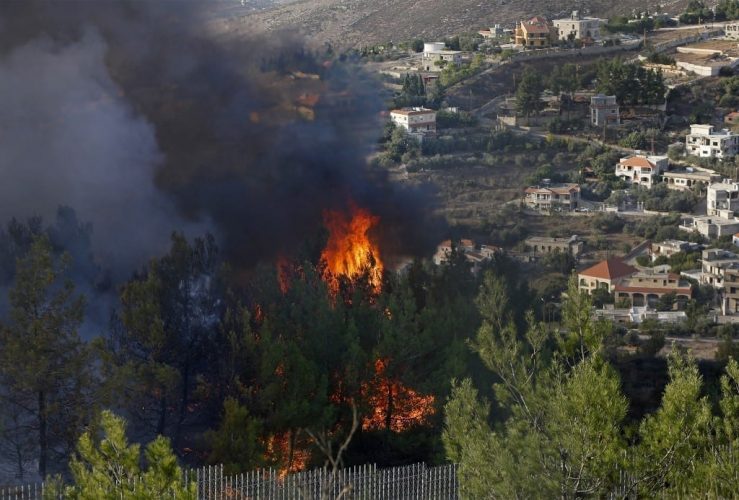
[
  {"x": 283, "y": 273},
  {"x": 393, "y": 404},
  {"x": 292, "y": 454},
  {"x": 350, "y": 250}
]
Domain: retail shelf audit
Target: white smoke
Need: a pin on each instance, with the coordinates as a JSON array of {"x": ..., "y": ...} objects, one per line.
[{"x": 69, "y": 137}]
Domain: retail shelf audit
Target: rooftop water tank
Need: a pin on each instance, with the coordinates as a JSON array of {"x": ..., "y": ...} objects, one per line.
[{"x": 433, "y": 46}]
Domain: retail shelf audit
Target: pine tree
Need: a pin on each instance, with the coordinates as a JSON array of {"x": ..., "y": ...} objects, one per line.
[
  {"x": 106, "y": 466},
  {"x": 45, "y": 368},
  {"x": 528, "y": 93},
  {"x": 237, "y": 442},
  {"x": 168, "y": 320}
]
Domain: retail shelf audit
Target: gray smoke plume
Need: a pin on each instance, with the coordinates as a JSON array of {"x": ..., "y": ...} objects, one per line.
[
  {"x": 68, "y": 137},
  {"x": 136, "y": 116}
]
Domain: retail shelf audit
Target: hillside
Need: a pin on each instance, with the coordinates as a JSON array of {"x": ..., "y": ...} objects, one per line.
[{"x": 361, "y": 22}]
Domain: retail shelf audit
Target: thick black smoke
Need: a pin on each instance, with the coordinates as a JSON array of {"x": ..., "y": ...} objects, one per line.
[{"x": 145, "y": 121}]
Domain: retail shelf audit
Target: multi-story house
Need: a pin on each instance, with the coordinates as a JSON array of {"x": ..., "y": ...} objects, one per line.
[
  {"x": 552, "y": 197},
  {"x": 731, "y": 30},
  {"x": 435, "y": 55},
  {"x": 543, "y": 245},
  {"x": 683, "y": 180},
  {"x": 415, "y": 120},
  {"x": 641, "y": 288},
  {"x": 641, "y": 170},
  {"x": 535, "y": 33},
  {"x": 722, "y": 196},
  {"x": 646, "y": 288},
  {"x": 730, "y": 302},
  {"x": 604, "y": 110},
  {"x": 715, "y": 264},
  {"x": 706, "y": 142},
  {"x": 604, "y": 275},
  {"x": 710, "y": 226},
  {"x": 577, "y": 27},
  {"x": 475, "y": 255},
  {"x": 669, "y": 248}
]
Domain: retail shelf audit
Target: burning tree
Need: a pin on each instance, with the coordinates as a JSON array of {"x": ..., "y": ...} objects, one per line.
[{"x": 351, "y": 249}]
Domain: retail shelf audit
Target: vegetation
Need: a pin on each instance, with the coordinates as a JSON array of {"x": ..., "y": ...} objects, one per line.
[
  {"x": 106, "y": 466},
  {"x": 191, "y": 349},
  {"x": 528, "y": 93},
  {"x": 697, "y": 12},
  {"x": 561, "y": 426},
  {"x": 726, "y": 10},
  {"x": 630, "y": 83}
]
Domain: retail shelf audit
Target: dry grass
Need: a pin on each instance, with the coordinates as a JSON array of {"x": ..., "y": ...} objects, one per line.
[{"x": 362, "y": 22}]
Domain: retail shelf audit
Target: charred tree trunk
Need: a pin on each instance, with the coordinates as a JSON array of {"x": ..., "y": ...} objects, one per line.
[
  {"x": 43, "y": 440},
  {"x": 19, "y": 457},
  {"x": 184, "y": 401},
  {"x": 161, "y": 425},
  {"x": 390, "y": 407}
]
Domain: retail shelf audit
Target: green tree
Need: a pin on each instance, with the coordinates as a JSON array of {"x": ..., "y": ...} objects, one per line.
[
  {"x": 675, "y": 437},
  {"x": 168, "y": 319},
  {"x": 561, "y": 429},
  {"x": 236, "y": 443},
  {"x": 106, "y": 466},
  {"x": 45, "y": 368},
  {"x": 528, "y": 93}
]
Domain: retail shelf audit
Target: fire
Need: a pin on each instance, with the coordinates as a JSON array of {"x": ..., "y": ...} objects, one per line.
[
  {"x": 351, "y": 250},
  {"x": 289, "y": 451},
  {"x": 283, "y": 273},
  {"x": 393, "y": 404}
]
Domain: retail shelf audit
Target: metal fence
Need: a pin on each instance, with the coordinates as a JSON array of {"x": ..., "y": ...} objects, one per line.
[{"x": 410, "y": 482}]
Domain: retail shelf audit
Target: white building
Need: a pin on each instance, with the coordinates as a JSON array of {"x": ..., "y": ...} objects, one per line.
[
  {"x": 722, "y": 196},
  {"x": 715, "y": 263},
  {"x": 731, "y": 30},
  {"x": 705, "y": 142},
  {"x": 683, "y": 180},
  {"x": 709, "y": 57},
  {"x": 637, "y": 315},
  {"x": 710, "y": 226},
  {"x": 604, "y": 109},
  {"x": 552, "y": 197},
  {"x": 669, "y": 248},
  {"x": 475, "y": 255},
  {"x": 641, "y": 170},
  {"x": 578, "y": 27},
  {"x": 415, "y": 120},
  {"x": 435, "y": 54}
]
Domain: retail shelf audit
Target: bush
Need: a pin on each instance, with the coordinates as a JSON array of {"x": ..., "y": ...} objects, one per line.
[
  {"x": 448, "y": 119},
  {"x": 635, "y": 140},
  {"x": 607, "y": 223}
]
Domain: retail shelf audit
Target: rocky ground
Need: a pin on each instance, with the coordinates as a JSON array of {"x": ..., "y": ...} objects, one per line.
[{"x": 347, "y": 23}]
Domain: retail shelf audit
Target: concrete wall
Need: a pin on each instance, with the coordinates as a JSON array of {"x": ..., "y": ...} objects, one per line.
[{"x": 532, "y": 55}]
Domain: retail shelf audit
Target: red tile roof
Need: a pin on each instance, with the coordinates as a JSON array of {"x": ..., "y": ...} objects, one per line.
[
  {"x": 534, "y": 28},
  {"x": 539, "y": 20},
  {"x": 609, "y": 269},
  {"x": 636, "y": 161}
]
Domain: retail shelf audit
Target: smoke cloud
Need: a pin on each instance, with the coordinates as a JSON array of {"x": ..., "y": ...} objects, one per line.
[
  {"x": 144, "y": 122},
  {"x": 68, "y": 138}
]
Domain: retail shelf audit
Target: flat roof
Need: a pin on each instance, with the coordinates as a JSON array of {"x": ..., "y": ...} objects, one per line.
[
  {"x": 725, "y": 46},
  {"x": 709, "y": 60},
  {"x": 690, "y": 175},
  {"x": 412, "y": 111}
]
